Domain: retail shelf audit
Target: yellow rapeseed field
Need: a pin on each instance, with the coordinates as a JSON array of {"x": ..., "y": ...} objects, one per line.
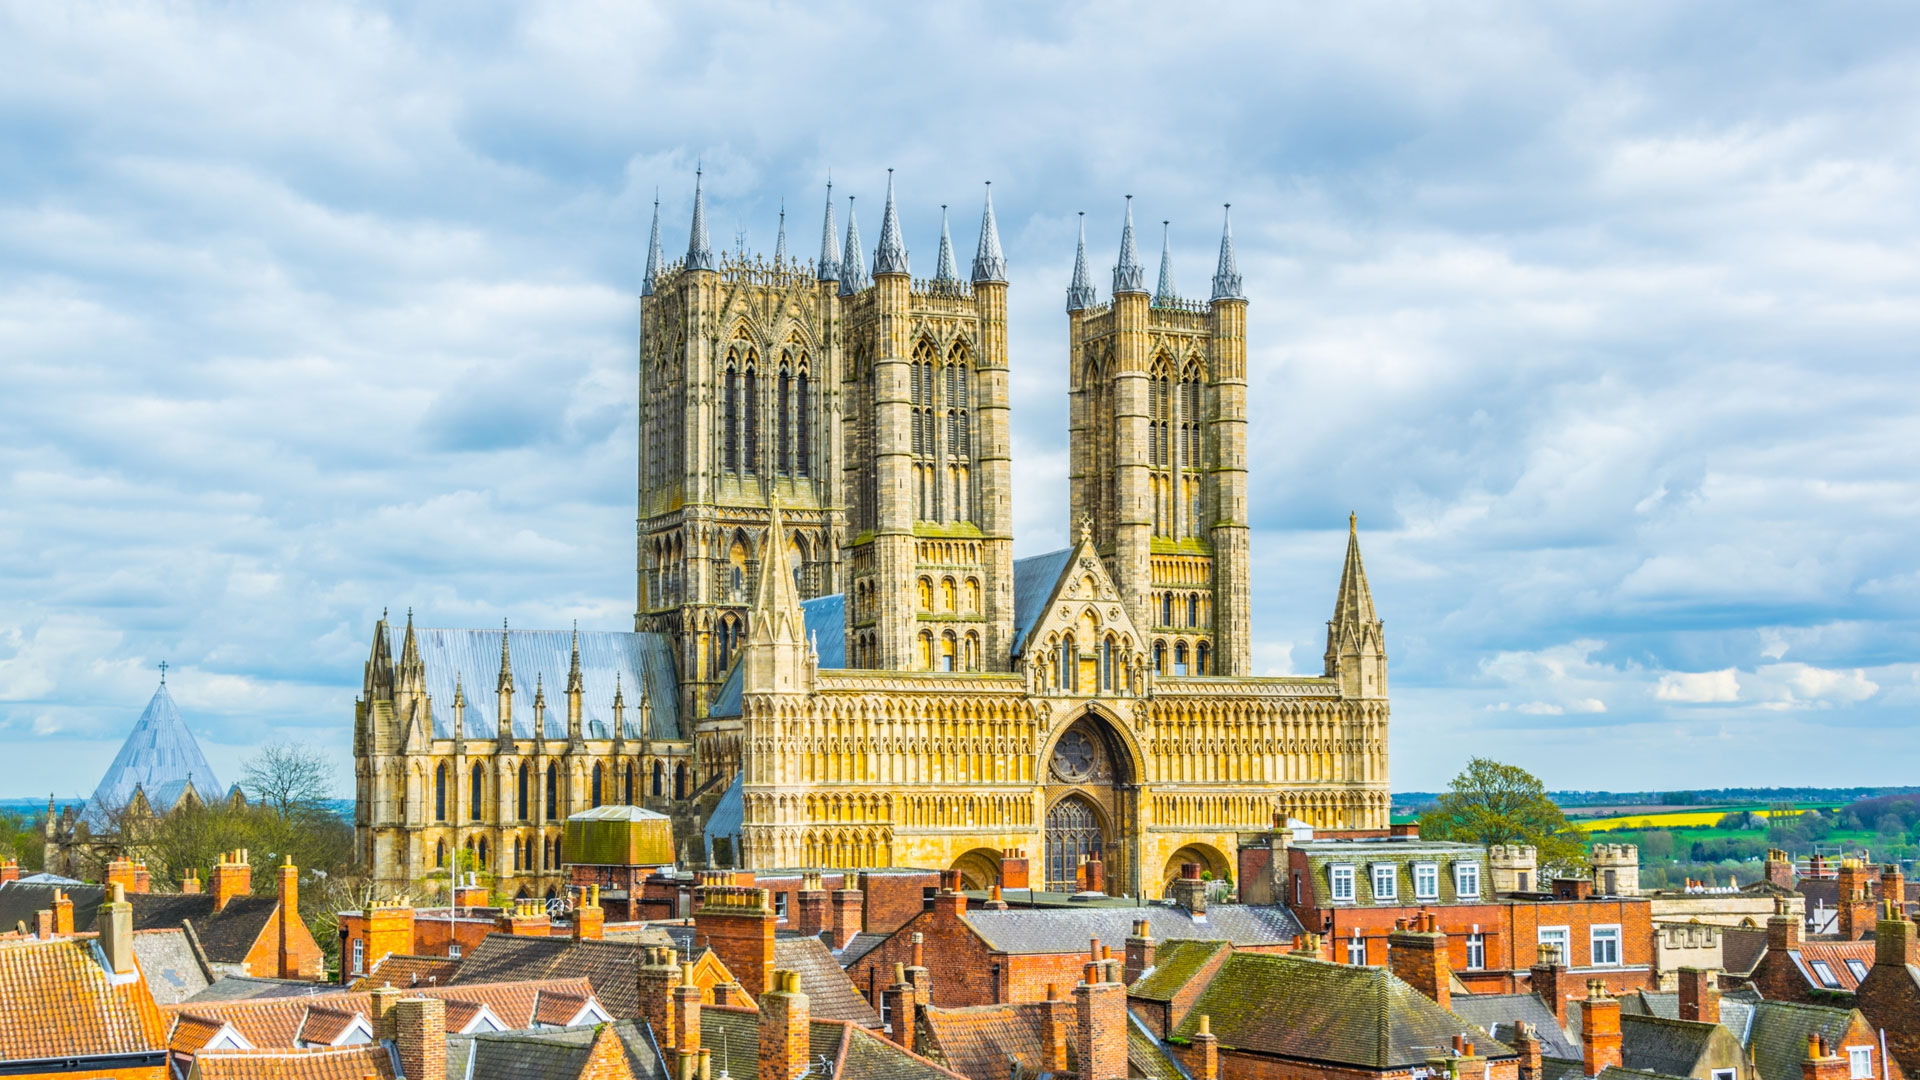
[{"x": 1667, "y": 819}]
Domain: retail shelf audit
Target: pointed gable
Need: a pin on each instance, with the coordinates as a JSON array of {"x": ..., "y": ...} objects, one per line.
[
  {"x": 1080, "y": 594},
  {"x": 160, "y": 759}
]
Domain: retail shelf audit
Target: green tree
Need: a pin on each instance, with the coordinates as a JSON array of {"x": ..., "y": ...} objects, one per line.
[{"x": 1492, "y": 803}]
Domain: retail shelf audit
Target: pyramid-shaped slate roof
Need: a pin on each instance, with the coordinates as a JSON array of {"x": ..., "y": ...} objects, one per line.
[{"x": 159, "y": 758}]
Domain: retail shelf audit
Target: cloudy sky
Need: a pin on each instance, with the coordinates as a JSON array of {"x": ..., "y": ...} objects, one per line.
[{"x": 1601, "y": 316}]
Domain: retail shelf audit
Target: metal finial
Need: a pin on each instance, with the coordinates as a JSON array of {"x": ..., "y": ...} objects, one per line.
[{"x": 163, "y": 673}]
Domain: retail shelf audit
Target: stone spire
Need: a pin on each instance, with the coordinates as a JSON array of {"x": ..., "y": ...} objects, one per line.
[
  {"x": 988, "y": 263},
  {"x": 1080, "y": 292},
  {"x": 1355, "y": 602},
  {"x": 412, "y": 670},
  {"x": 891, "y": 256},
  {"x": 780, "y": 244},
  {"x": 653, "y": 251},
  {"x": 944, "y": 268},
  {"x": 699, "y": 251},
  {"x": 1356, "y": 648},
  {"x": 853, "y": 270},
  {"x": 505, "y": 684},
  {"x": 575, "y": 683},
  {"x": 1128, "y": 275},
  {"x": 1226, "y": 279},
  {"x": 776, "y": 598},
  {"x": 829, "y": 267},
  {"x": 775, "y": 654},
  {"x": 1166, "y": 291}
]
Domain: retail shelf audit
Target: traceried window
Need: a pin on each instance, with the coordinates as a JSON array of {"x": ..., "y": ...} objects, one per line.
[
  {"x": 520, "y": 803},
  {"x": 750, "y": 450},
  {"x": 475, "y": 801},
  {"x": 730, "y": 423},
  {"x": 803, "y": 425},
  {"x": 783, "y": 406}
]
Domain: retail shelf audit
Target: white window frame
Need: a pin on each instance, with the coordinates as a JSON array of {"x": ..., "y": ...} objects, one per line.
[
  {"x": 1565, "y": 941},
  {"x": 359, "y": 956},
  {"x": 1388, "y": 872},
  {"x": 1476, "y": 952},
  {"x": 1726, "y": 1074},
  {"x": 1824, "y": 972},
  {"x": 1860, "y": 1062},
  {"x": 1336, "y": 875},
  {"x": 1424, "y": 872},
  {"x": 1609, "y": 932},
  {"x": 453, "y": 950},
  {"x": 1462, "y": 874},
  {"x": 1857, "y": 968},
  {"x": 1357, "y": 947},
  {"x": 780, "y": 906}
]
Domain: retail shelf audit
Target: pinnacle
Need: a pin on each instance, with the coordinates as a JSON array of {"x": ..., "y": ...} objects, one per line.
[
  {"x": 1080, "y": 292},
  {"x": 780, "y": 244},
  {"x": 1166, "y": 291},
  {"x": 1226, "y": 279},
  {"x": 853, "y": 274},
  {"x": 1354, "y": 605},
  {"x": 1128, "y": 275},
  {"x": 989, "y": 264},
  {"x": 654, "y": 264},
  {"x": 829, "y": 266},
  {"x": 944, "y": 268},
  {"x": 891, "y": 256},
  {"x": 699, "y": 250}
]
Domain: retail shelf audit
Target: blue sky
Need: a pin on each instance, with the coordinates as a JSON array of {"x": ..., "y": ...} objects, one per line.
[{"x": 1601, "y": 316}]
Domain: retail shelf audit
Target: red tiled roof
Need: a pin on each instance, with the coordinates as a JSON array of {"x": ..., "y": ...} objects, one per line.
[
  {"x": 190, "y": 1033},
  {"x": 332, "y": 1063},
  {"x": 324, "y": 1025},
  {"x": 1833, "y": 955},
  {"x": 403, "y": 971},
  {"x": 558, "y": 1009},
  {"x": 76, "y": 1010},
  {"x": 278, "y": 1022},
  {"x": 978, "y": 1041}
]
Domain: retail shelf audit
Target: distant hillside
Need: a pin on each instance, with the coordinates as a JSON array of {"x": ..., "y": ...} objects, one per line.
[{"x": 1409, "y": 801}]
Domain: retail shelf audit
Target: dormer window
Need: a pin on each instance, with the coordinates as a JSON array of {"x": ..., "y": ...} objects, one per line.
[
  {"x": 1466, "y": 880},
  {"x": 1341, "y": 880},
  {"x": 1426, "y": 881},
  {"x": 1386, "y": 882}
]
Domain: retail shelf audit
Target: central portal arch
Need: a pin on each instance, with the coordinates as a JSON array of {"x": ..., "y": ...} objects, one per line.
[{"x": 1092, "y": 804}]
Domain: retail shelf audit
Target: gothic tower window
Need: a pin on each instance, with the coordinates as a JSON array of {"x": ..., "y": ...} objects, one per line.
[
  {"x": 1106, "y": 664},
  {"x": 440, "y": 854},
  {"x": 440, "y": 792},
  {"x": 783, "y": 406},
  {"x": 1067, "y": 671},
  {"x": 626, "y": 783},
  {"x": 553, "y": 791},
  {"x": 803, "y": 425},
  {"x": 731, "y": 425},
  {"x": 520, "y": 793},
  {"x": 1160, "y": 445},
  {"x": 1073, "y": 835},
  {"x": 1200, "y": 659},
  {"x": 659, "y": 779},
  {"x": 949, "y": 651},
  {"x": 750, "y": 449},
  {"x": 474, "y": 802},
  {"x": 596, "y": 789},
  {"x": 680, "y": 781},
  {"x": 1190, "y": 453}
]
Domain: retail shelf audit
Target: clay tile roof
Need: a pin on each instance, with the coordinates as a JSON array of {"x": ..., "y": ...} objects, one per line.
[
  {"x": 1833, "y": 955},
  {"x": 331, "y": 1063},
  {"x": 831, "y": 993},
  {"x": 403, "y": 971},
  {"x": 977, "y": 1041},
  {"x": 279, "y": 1022},
  {"x": 852, "y": 1052},
  {"x": 558, "y": 1009},
  {"x": 191, "y": 1032},
  {"x": 322, "y": 1025},
  {"x": 76, "y": 1009},
  {"x": 1291, "y": 1006}
]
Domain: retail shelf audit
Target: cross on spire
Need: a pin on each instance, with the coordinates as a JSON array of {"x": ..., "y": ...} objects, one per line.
[{"x": 163, "y": 673}]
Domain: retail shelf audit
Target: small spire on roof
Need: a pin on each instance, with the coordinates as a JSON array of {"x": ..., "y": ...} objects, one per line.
[
  {"x": 943, "y": 267},
  {"x": 1166, "y": 291},
  {"x": 163, "y": 673},
  {"x": 853, "y": 270},
  {"x": 505, "y": 685},
  {"x": 699, "y": 250},
  {"x": 1128, "y": 275},
  {"x": 891, "y": 256},
  {"x": 1226, "y": 279},
  {"x": 1080, "y": 291},
  {"x": 654, "y": 264},
  {"x": 989, "y": 264},
  {"x": 575, "y": 682},
  {"x": 780, "y": 243},
  {"x": 829, "y": 266}
]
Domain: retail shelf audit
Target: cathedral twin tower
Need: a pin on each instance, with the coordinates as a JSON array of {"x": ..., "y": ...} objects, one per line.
[{"x": 874, "y": 409}]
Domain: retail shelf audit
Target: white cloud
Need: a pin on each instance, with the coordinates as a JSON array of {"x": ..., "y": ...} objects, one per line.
[{"x": 1699, "y": 687}]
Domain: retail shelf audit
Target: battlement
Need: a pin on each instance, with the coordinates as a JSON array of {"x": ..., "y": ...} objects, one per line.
[{"x": 735, "y": 900}]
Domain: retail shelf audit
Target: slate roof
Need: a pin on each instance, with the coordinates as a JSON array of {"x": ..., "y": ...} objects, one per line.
[
  {"x": 611, "y": 967},
  {"x": 831, "y": 994},
  {"x": 551, "y": 1055},
  {"x": 852, "y": 1053},
  {"x": 1740, "y": 949},
  {"x": 1656, "y": 1044},
  {"x": 1776, "y": 1033},
  {"x": 472, "y": 658},
  {"x": 76, "y": 1009},
  {"x": 1295, "y": 1007},
  {"x": 159, "y": 757},
  {"x": 1174, "y": 963},
  {"x": 227, "y": 935},
  {"x": 255, "y": 988},
  {"x": 726, "y": 700},
  {"x": 860, "y": 945},
  {"x": 1065, "y": 930},
  {"x": 330, "y": 1063},
  {"x": 729, "y": 814},
  {"x": 827, "y": 628},
  {"x": 1148, "y": 1057},
  {"x": 1363, "y": 855},
  {"x": 175, "y": 970},
  {"x": 224, "y": 936},
  {"x": 1033, "y": 580},
  {"x": 1496, "y": 1014}
]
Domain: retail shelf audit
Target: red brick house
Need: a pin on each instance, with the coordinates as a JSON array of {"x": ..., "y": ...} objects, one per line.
[{"x": 72, "y": 1005}]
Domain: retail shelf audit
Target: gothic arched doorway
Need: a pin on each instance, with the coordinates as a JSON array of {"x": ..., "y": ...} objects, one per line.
[{"x": 1073, "y": 834}]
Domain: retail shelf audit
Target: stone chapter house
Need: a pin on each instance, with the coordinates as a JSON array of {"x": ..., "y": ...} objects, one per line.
[{"x": 836, "y": 660}]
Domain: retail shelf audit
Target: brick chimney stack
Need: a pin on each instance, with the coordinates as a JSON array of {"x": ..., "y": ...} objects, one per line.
[
  {"x": 62, "y": 913},
  {"x": 1140, "y": 951},
  {"x": 1893, "y": 886},
  {"x": 420, "y": 1038},
  {"x": 380, "y": 1012},
  {"x": 1014, "y": 869},
  {"x": 1779, "y": 869},
  {"x": 1783, "y": 928},
  {"x": 810, "y": 906},
  {"x": 737, "y": 922},
  {"x": 902, "y": 1010},
  {"x": 1699, "y": 995},
  {"x": 469, "y": 892},
  {"x": 120, "y": 872},
  {"x": 590, "y": 919},
  {"x": 783, "y": 1028},
  {"x": 1417, "y": 954},
  {"x": 9, "y": 871},
  {"x": 232, "y": 877},
  {"x": 1526, "y": 1043},
  {"x": 1599, "y": 1029},
  {"x": 1206, "y": 1051},
  {"x": 190, "y": 885},
  {"x": 1821, "y": 1062},
  {"x": 289, "y": 963},
  {"x": 528, "y": 918},
  {"x": 1189, "y": 891},
  {"x": 686, "y": 1023},
  {"x": 656, "y": 978},
  {"x": 1856, "y": 906},
  {"x": 1100, "y": 1028},
  {"x": 1091, "y": 875},
  {"x": 116, "y": 931},
  {"x": 1549, "y": 974},
  {"x": 847, "y": 914},
  {"x": 1056, "y": 1027},
  {"x": 1893, "y": 942}
]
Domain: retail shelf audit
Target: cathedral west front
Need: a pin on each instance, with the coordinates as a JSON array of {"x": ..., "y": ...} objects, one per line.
[{"x": 836, "y": 659}]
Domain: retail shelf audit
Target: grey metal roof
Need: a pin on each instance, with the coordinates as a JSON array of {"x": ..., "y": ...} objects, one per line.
[
  {"x": 1056, "y": 930},
  {"x": 472, "y": 658},
  {"x": 1496, "y": 1013},
  {"x": 827, "y": 628},
  {"x": 159, "y": 757},
  {"x": 727, "y": 817},
  {"x": 1033, "y": 580},
  {"x": 726, "y": 700}
]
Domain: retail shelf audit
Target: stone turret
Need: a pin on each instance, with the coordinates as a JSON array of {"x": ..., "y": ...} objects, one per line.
[
  {"x": 1513, "y": 867},
  {"x": 1616, "y": 869},
  {"x": 1356, "y": 649}
]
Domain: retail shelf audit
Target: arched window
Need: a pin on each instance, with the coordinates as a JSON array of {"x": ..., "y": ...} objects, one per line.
[
  {"x": 595, "y": 790},
  {"x": 947, "y": 595},
  {"x": 1069, "y": 678},
  {"x": 1159, "y": 658},
  {"x": 751, "y": 451},
  {"x": 1200, "y": 658},
  {"x": 1073, "y": 835},
  {"x": 972, "y": 596},
  {"x": 626, "y": 783},
  {"x": 949, "y": 652},
  {"x": 440, "y": 792},
  {"x": 926, "y": 650},
  {"x": 483, "y": 852},
  {"x": 476, "y": 792},
  {"x": 732, "y": 423},
  {"x": 1193, "y": 609},
  {"x": 553, "y": 791},
  {"x": 440, "y": 854},
  {"x": 803, "y": 425},
  {"x": 1166, "y": 609},
  {"x": 973, "y": 651},
  {"x": 659, "y": 779},
  {"x": 680, "y": 781},
  {"x": 1180, "y": 658},
  {"x": 520, "y": 801},
  {"x": 516, "y": 854},
  {"x": 783, "y": 404},
  {"x": 1106, "y": 664}
]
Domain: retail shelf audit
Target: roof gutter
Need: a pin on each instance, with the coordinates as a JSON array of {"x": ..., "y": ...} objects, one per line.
[{"x": 141, "y": 1059}]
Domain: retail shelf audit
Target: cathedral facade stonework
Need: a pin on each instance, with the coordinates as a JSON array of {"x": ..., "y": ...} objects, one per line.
[{"x": 836, "y": 660}]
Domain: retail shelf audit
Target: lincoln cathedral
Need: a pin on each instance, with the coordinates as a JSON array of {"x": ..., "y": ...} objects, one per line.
[{"x": 836, "y": 659}]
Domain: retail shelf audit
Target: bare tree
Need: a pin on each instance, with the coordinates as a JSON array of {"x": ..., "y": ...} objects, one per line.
[{"x": 292, "y": 779}]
